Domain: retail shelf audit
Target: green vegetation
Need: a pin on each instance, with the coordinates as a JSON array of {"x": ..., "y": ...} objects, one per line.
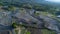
[
  {"x": 16, "y": 31},
  {"x": 14, "y": 25},
  {"x": 39, "y": 7},
  {"x": 11, "y": 8},
  {"x": 23, "y": 31},
  {"x": 53, "y": 16},
  {"x": 47, "y": 14},
  {"x": 36, "y": 13},
  {"x": 46, "y": 31},
  {"x": 1, "y": 4},
  {"x": 28, "y": 7},
  {"x": 27, "y": 32}
]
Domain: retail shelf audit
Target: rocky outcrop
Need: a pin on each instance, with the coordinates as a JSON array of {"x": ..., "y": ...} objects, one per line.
[
  {"x": 28, "y": 18},
  {"x": 42, "y": 21}
]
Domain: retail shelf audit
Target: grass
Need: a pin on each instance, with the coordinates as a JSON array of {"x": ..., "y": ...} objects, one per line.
[{"x": 46, "y": 31}]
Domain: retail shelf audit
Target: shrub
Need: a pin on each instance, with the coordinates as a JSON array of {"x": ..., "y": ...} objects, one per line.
[
  {"x": 27, "y": 6},
  {"x": 16, "y": 31},
  {"x": 27, "y": 32},
  {"x": 11, "y": 7},
  {"x": 46, "y": 31},
  {"x": 1, "y": 4},
  {"x": 14, "y": 25},
  {"x": 36, "y": 13}
]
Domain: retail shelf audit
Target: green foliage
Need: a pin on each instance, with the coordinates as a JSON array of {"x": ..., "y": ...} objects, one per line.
[
  {"x": 16, "y": 31},
  {"x": 39, "y": 8},
  {"x": 28, "y": 7},
  {"x": 37, "y": 14},
  {"x": 23, "y": 31},
  {"x": 46, "y": 31},
  {"x": 11, "y": 7},
  {"x": 27, "y": 32},
  {"x": 14, "y": 25},
  {"x": 1, "y": 4}
]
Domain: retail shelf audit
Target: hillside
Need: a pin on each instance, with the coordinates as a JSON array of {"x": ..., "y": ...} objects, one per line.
[{"x": 28, "y": 17}]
